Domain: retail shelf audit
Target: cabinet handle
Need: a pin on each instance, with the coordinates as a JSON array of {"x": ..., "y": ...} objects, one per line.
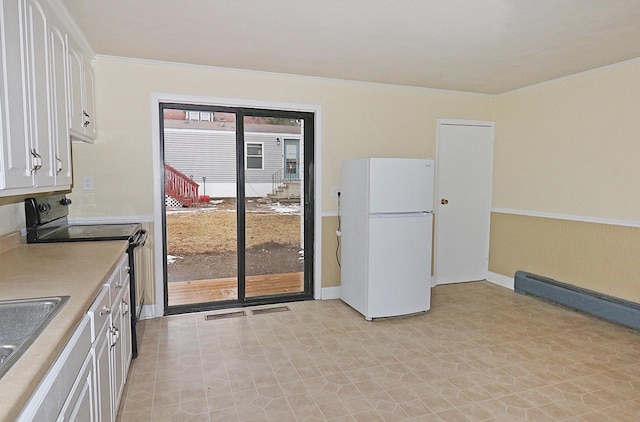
[
  {"x": 115, "y": 335},
  {"x": 126, "y": 269},
  {"x": 105, "y": 310},
  {"x": 86, "y": 116},
  {"x": 118, "y": 285},
  {"x": 37, "y": 160},
  {"x": 125, "y": 307},
  {"x": 59, "y": 162}
]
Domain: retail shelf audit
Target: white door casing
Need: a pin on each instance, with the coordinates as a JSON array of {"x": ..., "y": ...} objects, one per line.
[{"x": 464, "y": 169}]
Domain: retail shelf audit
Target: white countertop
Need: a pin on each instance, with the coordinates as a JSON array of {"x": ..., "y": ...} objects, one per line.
[{"x": 74, "y": 269}]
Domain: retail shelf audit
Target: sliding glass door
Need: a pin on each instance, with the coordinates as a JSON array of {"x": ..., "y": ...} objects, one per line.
[{"x": 238, "y": 206}]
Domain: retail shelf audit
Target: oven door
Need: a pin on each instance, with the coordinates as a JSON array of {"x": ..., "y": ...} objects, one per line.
[{"x": 137, "y": 291}]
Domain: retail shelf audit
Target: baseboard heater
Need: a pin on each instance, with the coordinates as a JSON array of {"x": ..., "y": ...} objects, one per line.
[{"x": 606, "y": 307}]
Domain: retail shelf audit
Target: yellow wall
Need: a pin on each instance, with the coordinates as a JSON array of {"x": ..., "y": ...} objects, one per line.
[
  {"x": 570, "y": 148},
  {"x": 330, "y": 267},
  {"x": 599, "y": 257},
  {"x": 11, "y": 214},
  {"x": 358, "y": 120}
]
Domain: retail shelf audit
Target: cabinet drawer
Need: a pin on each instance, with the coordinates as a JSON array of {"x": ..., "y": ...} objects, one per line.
[{"x": 99, "y": 312}]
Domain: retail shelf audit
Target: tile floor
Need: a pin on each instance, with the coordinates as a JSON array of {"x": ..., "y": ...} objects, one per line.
[{"x": 483, "y": 353}]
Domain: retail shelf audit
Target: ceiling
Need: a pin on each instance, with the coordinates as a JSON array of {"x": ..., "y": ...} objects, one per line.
[{"x": 489, "y": 46}]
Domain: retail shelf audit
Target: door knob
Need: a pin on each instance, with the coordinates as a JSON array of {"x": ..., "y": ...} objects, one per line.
[{"x": 444, "y": 201}]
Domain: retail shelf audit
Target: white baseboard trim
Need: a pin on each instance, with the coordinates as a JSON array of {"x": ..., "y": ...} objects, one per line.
[
  {"x": 500, "y": 280},
  {"x": 331, "y": 293},
  {"x": 149, "y": 312}
]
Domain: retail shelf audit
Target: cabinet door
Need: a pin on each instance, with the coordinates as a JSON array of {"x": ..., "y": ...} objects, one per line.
[
  {"x": 80, "y": 405},
  {"x": 75, "y": 87},
  {"x": 117, "y": 368},
  {"x": 125, "y": 336},
  {"x": 15, "y": 167},
  {"x": 59, "y": 89},
  {"x": 89, "y": 113},
  {"x": 103, "y": 378},
  {"x": 49, "y": 399},
  {"x": 81, "y": 94},
  {"x": 39, "y": 99}
]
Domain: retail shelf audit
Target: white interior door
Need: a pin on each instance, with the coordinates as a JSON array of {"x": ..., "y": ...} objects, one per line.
[{"x": 464, "y": 171}]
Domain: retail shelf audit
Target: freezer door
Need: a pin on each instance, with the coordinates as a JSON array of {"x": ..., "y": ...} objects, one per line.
[
  {"x": 399, "y": 265},
  {"x": 400, "y": 185}
]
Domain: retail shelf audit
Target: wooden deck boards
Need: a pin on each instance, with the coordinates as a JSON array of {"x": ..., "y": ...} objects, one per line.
[{"x": 200, "y": 291}]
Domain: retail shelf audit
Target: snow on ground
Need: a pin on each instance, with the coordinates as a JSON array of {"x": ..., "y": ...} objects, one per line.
[
  {"x": 191, "y": 210},
  {"x": 215, "y": 205},
  {"x": 171, "y": 259},
  {"x": 285, "y": 209}
]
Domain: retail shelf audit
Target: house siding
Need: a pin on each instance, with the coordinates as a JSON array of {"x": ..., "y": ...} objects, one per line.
[
  {"x": 201, "y": 153},
  {"x": 211, "y": 154}
]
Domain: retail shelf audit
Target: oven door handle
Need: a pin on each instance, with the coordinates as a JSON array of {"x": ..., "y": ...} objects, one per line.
[{"x": 139, "y": 238}]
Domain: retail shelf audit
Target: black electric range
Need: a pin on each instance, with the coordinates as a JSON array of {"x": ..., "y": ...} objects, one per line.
[{"x": 47, "y": 222}]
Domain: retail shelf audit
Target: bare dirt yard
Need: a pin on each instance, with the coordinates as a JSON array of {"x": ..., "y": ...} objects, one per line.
[{"x": 202, "y": 242}]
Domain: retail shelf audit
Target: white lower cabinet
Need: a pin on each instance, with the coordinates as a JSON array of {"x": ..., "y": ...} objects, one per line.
[
  {"x": 86, "y": 382},
  {"x": 49, "y": 398},
  {"x": 117, "y": 353},
  {"x": 80, "y": 405},
  {"x": 103, "y": 380},
  {"x": 125, "y": 337}
]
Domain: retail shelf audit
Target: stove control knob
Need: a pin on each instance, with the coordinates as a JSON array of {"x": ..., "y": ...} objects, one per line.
[
  {"x": 44, "y": 207},
  {"x": 65, "y": 201}
]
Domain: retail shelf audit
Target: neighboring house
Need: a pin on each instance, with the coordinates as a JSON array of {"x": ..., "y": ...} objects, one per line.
[{"x": 204, "y": 149}]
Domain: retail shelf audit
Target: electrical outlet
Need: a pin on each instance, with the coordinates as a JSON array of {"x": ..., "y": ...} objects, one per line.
[
  {"x": 335, "y": 191},
  {"x": 87, "y": 183}
]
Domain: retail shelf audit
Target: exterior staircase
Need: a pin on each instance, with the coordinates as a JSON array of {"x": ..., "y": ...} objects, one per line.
[
  {"x": 180, "y": 187},
  {"x": 287, "y": 193}
]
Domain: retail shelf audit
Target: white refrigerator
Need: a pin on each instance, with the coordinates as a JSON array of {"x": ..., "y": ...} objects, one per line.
[{"x": 386, "y": 217}]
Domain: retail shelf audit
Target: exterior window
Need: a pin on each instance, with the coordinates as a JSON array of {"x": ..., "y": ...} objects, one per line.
[
  {"x": 253, "y": 156},
  {"x": 203, "y": 116}
]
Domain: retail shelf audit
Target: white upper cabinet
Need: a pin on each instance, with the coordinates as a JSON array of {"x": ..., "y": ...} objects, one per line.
[
  {"x": 39, "y": 98},
  {"x": 59, "y": 99},
  {"x": 15, "y": 151},
  {"x": 81, "y": 89},
  {"x": 46, "y": 96}
]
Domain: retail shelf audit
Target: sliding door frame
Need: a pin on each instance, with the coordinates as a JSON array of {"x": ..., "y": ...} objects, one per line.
[{"x": 312, "y": 197}]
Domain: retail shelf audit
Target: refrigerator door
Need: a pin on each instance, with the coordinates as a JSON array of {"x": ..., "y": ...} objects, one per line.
[
  {"x": 400, "y": 185},
  {"x": 399, "y": 264}
]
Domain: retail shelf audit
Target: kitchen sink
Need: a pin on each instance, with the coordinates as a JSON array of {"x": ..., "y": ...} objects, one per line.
[{"x": 21, "y": 322}]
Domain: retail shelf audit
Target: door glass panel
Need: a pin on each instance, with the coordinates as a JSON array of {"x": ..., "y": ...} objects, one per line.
[
  {"x": 274, "y": 235},
  {"x": 200, "y": 204}
]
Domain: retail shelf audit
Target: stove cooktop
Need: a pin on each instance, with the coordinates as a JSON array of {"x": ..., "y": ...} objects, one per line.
[{"x": 88, "y": 232}]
